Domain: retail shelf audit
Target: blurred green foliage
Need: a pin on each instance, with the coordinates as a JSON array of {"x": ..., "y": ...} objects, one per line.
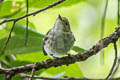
[
  {"x": 85, "y": 20},
  {"x": 77, "y": 49}
]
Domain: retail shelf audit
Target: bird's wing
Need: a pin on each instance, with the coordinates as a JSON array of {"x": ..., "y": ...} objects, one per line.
[{"x": 45, "y": 53}]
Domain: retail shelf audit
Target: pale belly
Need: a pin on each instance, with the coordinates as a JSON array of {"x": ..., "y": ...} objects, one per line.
[{"x": 60, "y": 45}]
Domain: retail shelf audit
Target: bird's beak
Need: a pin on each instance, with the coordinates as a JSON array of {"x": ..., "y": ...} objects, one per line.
[{"x": 59, "y": 17}]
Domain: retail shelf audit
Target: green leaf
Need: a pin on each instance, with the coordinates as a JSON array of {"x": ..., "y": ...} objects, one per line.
[
  {"x": 19, "y": 13},
  {"x": 43, "y": 3},
  {"x": 19, "y": 63},
  {"x": 20, "y": 30},
  {"x": 12, "y": 61},
  {"x": 2, "y": 77},
  {"x": 77, "y": 49},
  {"x": 32, "y": 57},
  {"x": 72, "y": 70},
  {"x": 16, "y": 43},
  {"x": 17, "y": 78},
  {"x": 3, "y": 33},
  {"x": 23, "y": 22},
  {"x": 7, "y": 8}
]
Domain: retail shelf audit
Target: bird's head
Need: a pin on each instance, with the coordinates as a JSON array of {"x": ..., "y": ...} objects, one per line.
[{"x": 62, "y": 23}]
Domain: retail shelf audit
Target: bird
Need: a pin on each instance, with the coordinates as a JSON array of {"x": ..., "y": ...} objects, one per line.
[{"x": 58, "y": 40}]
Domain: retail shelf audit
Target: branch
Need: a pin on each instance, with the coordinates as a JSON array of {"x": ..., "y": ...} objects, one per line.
[
  {"x": 65, "y": 60},
  {"x": 114, "y": 63},
  {"x": 5, "y": 63},
  {"x": 6, "y": 43},
  {"x": 33, "y": 13},
  {"x": 8, "y": 77},
  {"x": 117, "y": 66},
  {"x": 32, "y": 74},
  {"x": 26, "y": 37},
  {"x": 102, "y": 29},
  {"x": 103, "y": 19},
  {"x": 65, "y": 78}
]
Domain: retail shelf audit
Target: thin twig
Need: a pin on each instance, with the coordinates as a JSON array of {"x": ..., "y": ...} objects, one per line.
[
  {"x": 26, "y": 38},
  {"x": 102, "y": 30},
  {"x": 65, "y": 78},
  {"x": 5, "y": 63},
  {"x": 33, "y": 13},
  {"x": 8, "y": 77},
  {"x": 114, "y": 63},
  {"x": 103, "y": 19},
  {"x": 116, "y": 68},
  {"x": 6, "y": 43},
  {"x": 32, "y": 75}
]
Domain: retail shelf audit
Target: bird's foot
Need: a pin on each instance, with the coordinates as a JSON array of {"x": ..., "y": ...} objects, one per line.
[
  {"x": 53, "y": 56},
  {"x": 69, "y": 55}
]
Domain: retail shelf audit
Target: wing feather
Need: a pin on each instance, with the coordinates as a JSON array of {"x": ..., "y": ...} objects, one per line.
[{"x": 46, "y": 38}]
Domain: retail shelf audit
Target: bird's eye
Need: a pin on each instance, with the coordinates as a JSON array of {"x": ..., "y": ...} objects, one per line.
[{"x": 67, "y": 23}]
